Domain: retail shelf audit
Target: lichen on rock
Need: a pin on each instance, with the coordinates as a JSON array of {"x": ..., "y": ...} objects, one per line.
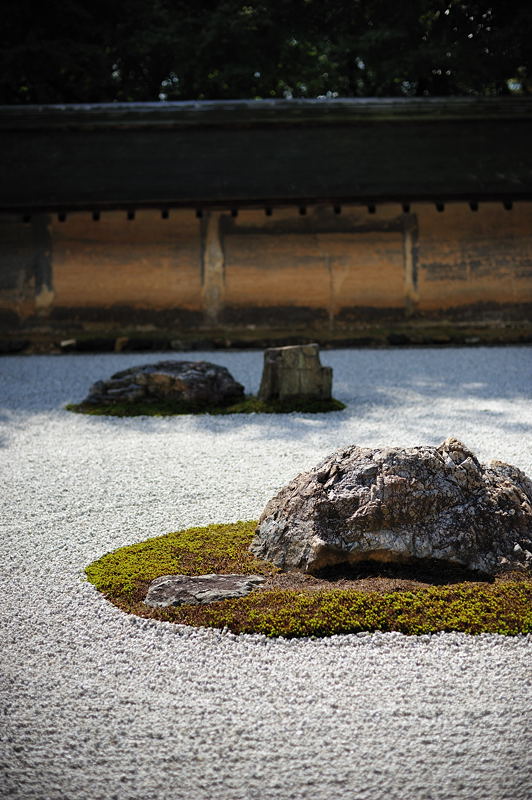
[{"x": 401, "y": 504}]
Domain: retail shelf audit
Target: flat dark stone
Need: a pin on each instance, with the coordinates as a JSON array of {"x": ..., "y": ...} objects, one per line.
[
  {"x": 192, "y": 383},
  {"x": 177, "y": 590}
]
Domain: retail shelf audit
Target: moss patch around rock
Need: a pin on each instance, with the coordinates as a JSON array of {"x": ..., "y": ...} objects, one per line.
[
  {"x": 250, "y": 405},
  {"x": 471, "y": 607}
]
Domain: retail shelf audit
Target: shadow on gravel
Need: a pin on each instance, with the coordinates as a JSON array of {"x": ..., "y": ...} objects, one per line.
[
  {"x": 433, "y": 572},
  {"x": 370, "y": 382},
  {"x": 368, "y": 418}
]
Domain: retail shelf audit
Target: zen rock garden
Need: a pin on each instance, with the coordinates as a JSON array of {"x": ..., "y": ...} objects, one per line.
[
  {"x": 435, "y": 513},
  {"x": 293, "y": 379},
  {"x": 392, "y": 505}
]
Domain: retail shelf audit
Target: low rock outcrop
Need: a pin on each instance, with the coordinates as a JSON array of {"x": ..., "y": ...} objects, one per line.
[
  {"x": 394, "y": 504},
  {"x": 191, "y": 383},
  {"x": 177, "y": 590}
]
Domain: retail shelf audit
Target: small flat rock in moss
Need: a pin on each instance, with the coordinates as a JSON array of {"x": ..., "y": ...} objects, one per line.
[{"x": 177, "y": 590}]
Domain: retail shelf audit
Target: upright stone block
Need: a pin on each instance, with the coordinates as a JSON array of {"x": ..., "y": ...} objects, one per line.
[{"x": 294, "y": 372}]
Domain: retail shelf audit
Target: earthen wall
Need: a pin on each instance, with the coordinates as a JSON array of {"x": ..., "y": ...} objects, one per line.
[{"x": 285, "y": 268}]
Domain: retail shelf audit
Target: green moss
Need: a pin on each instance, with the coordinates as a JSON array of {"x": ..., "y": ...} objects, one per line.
[
  {"x": 250, "y": 405},
  {"x": 123, "y": 576},
  {"x": 196, "y": 551},
  {"x": 502, "y": 609}
]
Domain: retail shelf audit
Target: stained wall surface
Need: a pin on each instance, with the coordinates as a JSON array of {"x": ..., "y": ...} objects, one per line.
[
  {"x": 145, "y": 262},
  {"x": 281, "y": 268}
]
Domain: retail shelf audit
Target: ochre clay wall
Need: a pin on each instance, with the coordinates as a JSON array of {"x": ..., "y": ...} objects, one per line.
[
  {"x": 147, "y": 262},
  {"x": 321, "y": 262},
  {"x": 286, "y": 270},
  {"x": 476, "y": 257}
]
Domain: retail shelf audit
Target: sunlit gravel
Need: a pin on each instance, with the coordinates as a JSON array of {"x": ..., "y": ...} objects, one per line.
[{"x": 99, "y": 704}]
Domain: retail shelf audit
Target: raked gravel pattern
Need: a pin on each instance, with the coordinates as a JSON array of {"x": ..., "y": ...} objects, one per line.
[{"x": 99, "y": 704}]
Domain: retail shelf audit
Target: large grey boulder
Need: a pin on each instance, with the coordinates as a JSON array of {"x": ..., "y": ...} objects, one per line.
[
  {"x": 192, "y": 383},
  {"x": 177, "y": 590},
  {"x": 394, "y": 504},
  {"x": 294, "y": 373}
]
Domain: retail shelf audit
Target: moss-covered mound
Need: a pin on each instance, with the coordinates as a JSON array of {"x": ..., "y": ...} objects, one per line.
[
  {"x": 250, "y": 405},
  {"x": 471, "y": 607}
]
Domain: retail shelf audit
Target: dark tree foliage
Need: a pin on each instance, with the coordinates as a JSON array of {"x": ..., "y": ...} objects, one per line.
[{"x": 144, "y": 50}]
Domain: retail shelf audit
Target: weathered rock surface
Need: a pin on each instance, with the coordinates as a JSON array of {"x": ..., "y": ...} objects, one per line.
[
  {"x": 401, "y": 505},
  {"x": 176, "y": 590},
  {"x": 194, "y": 383},
  {"x": 294, "y": 372}
]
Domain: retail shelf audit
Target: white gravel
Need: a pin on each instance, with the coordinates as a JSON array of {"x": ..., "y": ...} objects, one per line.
[{"x": 98, "y": 704}]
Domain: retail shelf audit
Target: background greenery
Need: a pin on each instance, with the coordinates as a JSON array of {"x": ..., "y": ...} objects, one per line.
[{"x": 71, "y": 51}]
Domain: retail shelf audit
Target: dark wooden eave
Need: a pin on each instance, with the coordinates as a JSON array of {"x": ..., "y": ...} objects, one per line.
[{"x": 264, "y": 153}]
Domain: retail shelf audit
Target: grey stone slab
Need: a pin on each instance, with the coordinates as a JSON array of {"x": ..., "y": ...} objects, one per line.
[{"x": 177, "y": 590}]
